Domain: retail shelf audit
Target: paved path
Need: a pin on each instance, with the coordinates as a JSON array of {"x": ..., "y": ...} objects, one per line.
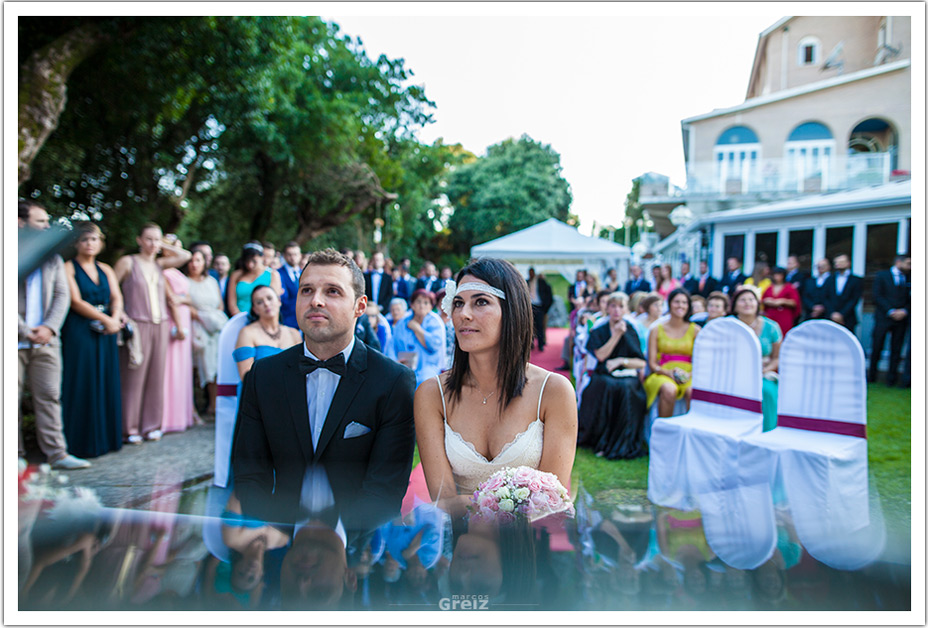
[{"x": 135, "y": 474}]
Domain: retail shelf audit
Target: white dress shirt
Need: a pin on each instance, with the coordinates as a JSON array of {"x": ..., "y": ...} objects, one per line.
[
  {"x": 841, "y": 281},
  {"x": 294, "y": 273},
  {"x": 320, "y": 389},
  {"x": 376, "y": 278},
  {"x": 33, "y": 302}
]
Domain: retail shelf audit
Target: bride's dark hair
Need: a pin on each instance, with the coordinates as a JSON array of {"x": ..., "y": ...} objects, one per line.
[{"x": 515, "y": 342}]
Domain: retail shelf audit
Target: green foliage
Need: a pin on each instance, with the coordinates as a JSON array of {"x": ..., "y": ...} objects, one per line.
[{"x": 517, "y": 184}]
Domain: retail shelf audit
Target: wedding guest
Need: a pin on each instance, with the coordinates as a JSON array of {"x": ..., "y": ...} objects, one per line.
[
  {"x": 250, "y": 272},
  {"x": 745, "y": 304},
  {"x": 204, "y": 247},
  {"x": 378, "y": 285},
  {"x": 794, "y": 273},
  {"x": 271, "y": 258},
  {"x": 813, "y": 295},
  {"x": 702, "y": 285},
  {"x": 611, "y": 282},
  {"x": 656, "y": 277},
  {"x": 843, "y": 291},
  {"x": 670, "y": 355},
  {"x": 91, "y": 402},
  {"x": 208, "y": 319},
  {"x": 264, "y": 335},
  {"x": 542, "y": 299},
  {"x": 429, "y": 280},
  {"x": 148, "y": 304},
  {"x": 760, "y": 277},
  {"x": 651, "y": 308},
  {"x": 684, "y": 273},
  {"x": 892, "y": 298},
  {"x": 178, "y": 362},
  {"x": 668, "y": 284},
  {"x": 419, "y": 339},
  {"x": 733, "y": 278},
  {"x": 220, "y": 272},
  {"x": 398, "y": 309},
  {"x": 381, "y": 328},
  {"x": 634, "y": 300},
  {"x": 449, "y": 330},
  {"x": 699, "y": 304},
  {"x": 361, "y": 260},
  {"x": 717, "y": 305},
  {"x": 781, "y": 301},
  {"x": 404, "y": 284},
  {"x": 579, "y": 291},
  {"x": 637, "y": 283},
  {"x": 289, "y": 273}
]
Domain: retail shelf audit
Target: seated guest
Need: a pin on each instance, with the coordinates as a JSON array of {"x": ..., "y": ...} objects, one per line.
[
  {"x": 746, "y": 306},
  {"x": 265, "y": 335},
  {"x": 449, "y": 330},
  {"x": 717, "y": 305},
  {"x": 419, "y": 339},
  {"x": 612, "y": 409},
  {"x": 699, "y": 310},
  {"x": 670, "y": 355},
  {"x": 381, "y": 328},
  {"x": 650, "y": 309},
  {"x": 397, "y": 311}
]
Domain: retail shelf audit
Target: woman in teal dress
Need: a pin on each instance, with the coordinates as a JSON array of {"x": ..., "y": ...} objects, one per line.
[
  {"x": 91, "y": 401},
  {"x": 250, "y": 273},
  {"x": 746, "y": 306},
  {"x": 265, "y": 335}
]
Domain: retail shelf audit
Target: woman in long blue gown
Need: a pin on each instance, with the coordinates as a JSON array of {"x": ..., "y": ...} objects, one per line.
[{"x": 91, "y": 401}]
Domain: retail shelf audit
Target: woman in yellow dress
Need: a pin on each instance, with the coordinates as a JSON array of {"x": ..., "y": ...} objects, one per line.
[{"x": 670, "y": 355}]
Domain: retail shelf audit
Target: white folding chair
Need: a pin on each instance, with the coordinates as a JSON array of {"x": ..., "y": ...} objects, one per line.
[
  {"x": 227, "y": 381},
  {"x": 696, "y": 453},
  {"x": 817, "y": 454}
]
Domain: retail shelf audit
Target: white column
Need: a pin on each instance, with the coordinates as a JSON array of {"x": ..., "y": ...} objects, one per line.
[
  {"x": 718, "y": 253},
  {"x": 902, "y": 241},
  {"x": 784, "y": 63},
  {"x": 749, "y": 252},
  {"x": 782, "y": 247},
  {"x": 859, "y": 246},
  {"x": 818, "y": 243}
]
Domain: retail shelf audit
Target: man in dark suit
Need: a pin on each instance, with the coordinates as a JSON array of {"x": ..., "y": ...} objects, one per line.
[
  {"x": 429, "y": 279},
  {"x": 842, "y": 294},
  {"x": 378, "y": 285},
  {"x": 704, "y": 284},
  {"x": 813, "y": 292},
  {"x": 404, "y": 284},
  {"x": 733, "y": 277},
  {"x": 330, "y": 401},
  {"x": 541, "y": 296},
  {"x": 579, "y": 291},
  {"x": 289, "y": 273},
  {"x": 637, "y": 283},
  {"x": 892, "y": 298}
]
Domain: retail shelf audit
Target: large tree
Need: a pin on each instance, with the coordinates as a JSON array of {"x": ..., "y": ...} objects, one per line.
[{"x": 517, "y": 184}]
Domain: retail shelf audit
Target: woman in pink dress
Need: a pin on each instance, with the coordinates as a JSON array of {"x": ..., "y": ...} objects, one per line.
[
  {"x": 667, "y": 283},
  {"x": 178, "y": 365},
  {"x": 781, "y": 301}
]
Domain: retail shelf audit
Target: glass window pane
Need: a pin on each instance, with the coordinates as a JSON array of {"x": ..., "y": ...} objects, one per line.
[
  {"x": 881, "y": 254},
  {"x": 800, "y": 245},
  {"x": 765, "y": 247},
  {"x": 839, "y": 241},
  {"x": 734, "y": 247}
]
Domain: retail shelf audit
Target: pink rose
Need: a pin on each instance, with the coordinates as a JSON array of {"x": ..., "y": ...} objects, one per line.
[
  {"x": 487, "y": 501},
  {"x": 505, "y": 517},
  {"x": 522, "y": 476},
  {"x": 495, "y": 482}
]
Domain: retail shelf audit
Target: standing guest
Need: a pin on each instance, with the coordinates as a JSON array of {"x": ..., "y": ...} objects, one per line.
[
  {"x": 91, "y": 402},
  {"x": 404, "y": 284},
  {"x": 449, "y": 330},
  {"x": 717, "y": 305},
  {"x": 250, "y": 272},
  {"x": 813, "y": 296},
  {"x": 147, "y": 296},
  {"x": 704, "y": 284},
  {"x": 684, "y": 273},
  {"x": 208, "y": 316},
  {"x": 579, "y": 291},
  {"x": 542, "y": 299},
  {"x": 289, "y": 273},
  {"x": 271, "y": 258},
  {"x": 220, "y": 272},
  {"x": 733, "y": 277},
  {"x": 367, "y": 334},
  {"x": 670, "y": 355},
  {"x": 592, "y": 282},
  {"x": 781, "y": 301},
  {"x": 633, "y": 301},
  {"x": 361, "y": 260},
  {"x": 178, "y": 412},
  {"x": 419, "y": 339},
  {"x": 612, "y": 408},
  {"x": 612, "y": 281},
  {"x": 892, "y": 298},
  {"x": 842, "y": 294},
  {"x": 429, "y": 280},
  {"x": 381, "y": 328},
  {"x": 637, "y": 283},
  {"x": 597, "y": 307},
  {"x": 207, "y": 251},
  {"x": 445, "y": 274},
  {"x": 650, "y": 308},
  {"x": 378, "y": 285},
  {"x": 304, "y": 260},
  {"x": 746, "y": 306},
  {"x": 264, "y": 335},
  {"x": 794, "y": 273},
  {"x": 760, "y": 276},
  {"x": 398, "y": 309},
  {"x": 667, "y": 284}
]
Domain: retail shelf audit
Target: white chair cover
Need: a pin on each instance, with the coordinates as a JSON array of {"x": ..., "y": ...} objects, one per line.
[
  {"x": 584, "y": 362},
  {"x": 817, "y": 453},
  {"x": 696, "y": 453},
  {"x": 227, "y": 381}
]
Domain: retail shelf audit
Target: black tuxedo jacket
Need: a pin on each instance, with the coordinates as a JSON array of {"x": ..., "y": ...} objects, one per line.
[
  {"x": 272, "y": 446},
  {"x": 386, "y": 290},
  {"x": 844, "y": 303},
  {"x": 692, "y": 286},
  {"x": 888, "y": 296},
  {"x": 727, "y": 283},
  {"x": 433, "y": 286},
  {"x": 637, "y": 285}
]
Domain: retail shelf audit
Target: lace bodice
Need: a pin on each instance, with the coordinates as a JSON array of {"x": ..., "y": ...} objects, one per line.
[{"x": 470, "y": 467}]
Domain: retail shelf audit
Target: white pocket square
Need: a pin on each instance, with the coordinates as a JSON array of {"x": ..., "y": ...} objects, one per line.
[{"x": 356, "y": 429}]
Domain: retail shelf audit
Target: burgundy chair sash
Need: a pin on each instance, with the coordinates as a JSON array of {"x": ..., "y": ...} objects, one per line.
[
  {"x": 822, "y": 425},
  {"x": 226, "y": 390},
  {"x": 722, "y": 399}
]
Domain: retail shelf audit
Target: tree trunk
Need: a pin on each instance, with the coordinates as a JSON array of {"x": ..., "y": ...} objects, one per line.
[
  {"x": 43, "y": 88},
  {"x": 267, "y": 194}
]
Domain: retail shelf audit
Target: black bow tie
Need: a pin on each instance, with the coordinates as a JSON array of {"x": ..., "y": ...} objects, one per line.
[{"x": 336, "y": 364}]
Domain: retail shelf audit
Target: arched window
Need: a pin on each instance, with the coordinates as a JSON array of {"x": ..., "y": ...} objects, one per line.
[
  {"x": 737, "y": 155},
  {"x": 809, "y": 51},
  {"x": 876, "y": 139},
  {"x": 809, "y": 151}
]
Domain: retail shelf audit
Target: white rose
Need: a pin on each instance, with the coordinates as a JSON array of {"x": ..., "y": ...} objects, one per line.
[
  {"x": 506, "y": 505},
  {"x": 503, "y": 493},
  {"x": 521, "y": 493}
]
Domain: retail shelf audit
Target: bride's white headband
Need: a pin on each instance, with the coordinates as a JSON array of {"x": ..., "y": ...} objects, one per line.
[{"x": 452, "y": 289}]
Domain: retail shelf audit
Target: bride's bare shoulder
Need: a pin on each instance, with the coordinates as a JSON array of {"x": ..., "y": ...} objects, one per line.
[{"x": 428, "y": 394}]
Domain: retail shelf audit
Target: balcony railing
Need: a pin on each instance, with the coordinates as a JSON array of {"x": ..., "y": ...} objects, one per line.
[{"x": 788, "y": 176}]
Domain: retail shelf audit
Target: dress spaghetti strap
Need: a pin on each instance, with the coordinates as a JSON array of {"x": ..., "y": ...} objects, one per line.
[
  {"x": 444, "y": 410},
  {"x": 538, "y": 413}
]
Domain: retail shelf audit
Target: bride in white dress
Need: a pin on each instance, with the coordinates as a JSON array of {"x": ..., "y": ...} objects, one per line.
[{"x": 492, "y": 409}]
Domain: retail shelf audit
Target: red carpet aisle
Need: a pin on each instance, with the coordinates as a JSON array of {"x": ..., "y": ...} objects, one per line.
[{"x": 550, "y": 358}]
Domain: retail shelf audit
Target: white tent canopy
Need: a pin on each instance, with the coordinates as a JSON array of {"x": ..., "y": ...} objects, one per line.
[{"x": 552, "y": 246}]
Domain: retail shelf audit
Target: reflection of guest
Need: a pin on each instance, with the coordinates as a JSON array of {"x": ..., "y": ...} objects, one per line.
[
  {"x": 329, "y": 401},
  {"x": 612, "y": 408},
  {"x": 208, "y": 317},
  {"x": 746, "y": 306},
  {"x": 178, "y": 360}
]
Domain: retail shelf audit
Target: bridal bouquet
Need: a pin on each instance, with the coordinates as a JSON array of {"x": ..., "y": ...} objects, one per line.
[{"x": 520, "y": 491}]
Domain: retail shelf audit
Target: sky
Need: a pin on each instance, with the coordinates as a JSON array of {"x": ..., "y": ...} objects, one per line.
[{"x": 604, "y": 90}]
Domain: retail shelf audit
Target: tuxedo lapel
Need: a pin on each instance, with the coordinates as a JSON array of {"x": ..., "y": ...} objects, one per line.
[
  {"x": 348, "y": 386},
  {"x": 295, "y": 385}
]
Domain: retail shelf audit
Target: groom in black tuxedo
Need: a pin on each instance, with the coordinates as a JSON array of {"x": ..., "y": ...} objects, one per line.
[{"x": 330, "y": 401}]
